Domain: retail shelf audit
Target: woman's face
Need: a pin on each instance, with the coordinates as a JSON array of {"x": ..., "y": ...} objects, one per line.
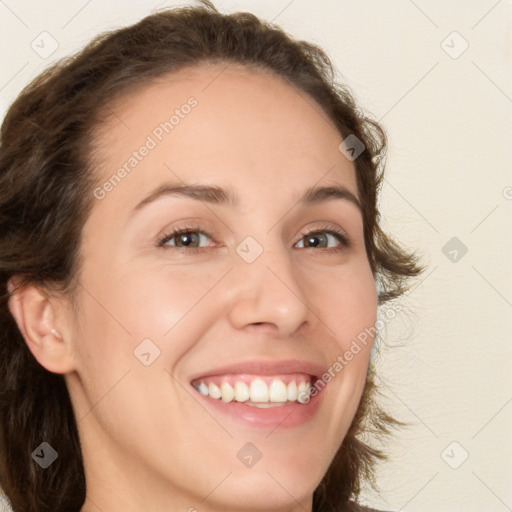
[{"x": 226, "y": 259}]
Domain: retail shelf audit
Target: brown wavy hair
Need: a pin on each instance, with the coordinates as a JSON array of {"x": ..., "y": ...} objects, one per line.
[{"x": 46, "y": 183}]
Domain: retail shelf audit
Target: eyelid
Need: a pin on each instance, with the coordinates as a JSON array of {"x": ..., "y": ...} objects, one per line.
[
  {"x": 163, "y": 238},
  {"x": 173, "y": 231},
  {"x": 333, "y": 229}
]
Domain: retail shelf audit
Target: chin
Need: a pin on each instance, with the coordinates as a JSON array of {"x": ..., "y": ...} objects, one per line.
[{"x": 267, "y": 489}]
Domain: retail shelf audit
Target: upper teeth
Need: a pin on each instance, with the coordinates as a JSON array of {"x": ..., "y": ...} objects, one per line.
[{"x": 257, "y": 391}]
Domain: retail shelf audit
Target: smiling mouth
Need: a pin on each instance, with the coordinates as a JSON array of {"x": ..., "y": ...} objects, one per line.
[{"x": 261, "y": 391}]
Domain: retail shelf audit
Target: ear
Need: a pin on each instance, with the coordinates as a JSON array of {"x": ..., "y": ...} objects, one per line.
[{"x": 37, "y": 316}]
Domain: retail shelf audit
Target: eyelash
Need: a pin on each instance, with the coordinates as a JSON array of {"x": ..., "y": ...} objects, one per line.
[{"x": 181, "y": 230}]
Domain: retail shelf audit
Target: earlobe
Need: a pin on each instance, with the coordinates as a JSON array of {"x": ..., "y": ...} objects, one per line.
[{"x": 35, "y": 314}]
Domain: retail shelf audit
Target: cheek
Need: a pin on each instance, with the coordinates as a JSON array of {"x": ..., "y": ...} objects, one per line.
[
  {"x": 357, "y": 312},
  {"x": 170, "y": 307},
  {"x": 345, "y": 299},
  {"x": 152, "y": 316},
  {"x": 347, "y": 305}
]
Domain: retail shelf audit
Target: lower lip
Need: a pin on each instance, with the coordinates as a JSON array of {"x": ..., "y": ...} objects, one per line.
[{"x": 285, "y": 416}]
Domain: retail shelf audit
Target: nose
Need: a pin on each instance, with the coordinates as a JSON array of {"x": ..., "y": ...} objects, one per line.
[{"x": 268, "y": 295}]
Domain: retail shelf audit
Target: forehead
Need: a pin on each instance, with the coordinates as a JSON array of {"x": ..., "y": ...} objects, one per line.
[{"x": 221, "y": 123}]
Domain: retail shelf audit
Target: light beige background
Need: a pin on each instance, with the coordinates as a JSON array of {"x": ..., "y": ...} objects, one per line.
[{"x": 446, "y": 365}]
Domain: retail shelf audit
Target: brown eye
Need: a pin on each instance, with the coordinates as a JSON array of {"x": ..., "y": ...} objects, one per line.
[
  {"x": 316, "y": 240},
  {"x": 187, "y": 240},
  {"x": 183, "y": 239},
  {"x": 322, "y": 240}
]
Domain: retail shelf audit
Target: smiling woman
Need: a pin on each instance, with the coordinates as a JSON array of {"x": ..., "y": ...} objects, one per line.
[{"x": 189, "y": 295}]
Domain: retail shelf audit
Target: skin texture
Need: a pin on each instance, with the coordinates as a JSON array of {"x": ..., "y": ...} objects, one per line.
[{"x": 148, "y": 440}]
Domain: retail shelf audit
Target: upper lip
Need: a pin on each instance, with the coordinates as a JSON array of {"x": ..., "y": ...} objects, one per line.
[{"x": 263, "y": 367}]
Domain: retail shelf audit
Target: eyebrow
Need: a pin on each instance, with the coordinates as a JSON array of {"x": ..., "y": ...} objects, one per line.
[{"x": 218, "y": 195}]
